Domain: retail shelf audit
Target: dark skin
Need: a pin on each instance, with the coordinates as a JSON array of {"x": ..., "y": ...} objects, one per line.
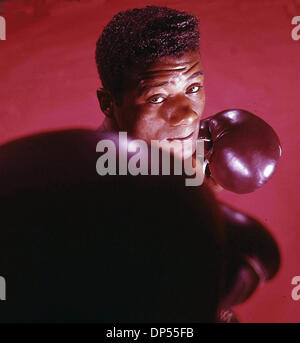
[{"x": 163, "y": 101}]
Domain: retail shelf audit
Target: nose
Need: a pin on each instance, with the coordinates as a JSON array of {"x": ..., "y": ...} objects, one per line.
[{"x": 178, "y": 111}]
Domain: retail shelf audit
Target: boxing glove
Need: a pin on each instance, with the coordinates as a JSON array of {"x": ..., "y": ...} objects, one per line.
[
  {"x": 241, "y": 150},
  {"x": 252, "y": 256},
  {"x": 79, "y": 247}
]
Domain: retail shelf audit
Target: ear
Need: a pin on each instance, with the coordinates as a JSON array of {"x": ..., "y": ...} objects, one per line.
[{"x": 105, "y": 102}]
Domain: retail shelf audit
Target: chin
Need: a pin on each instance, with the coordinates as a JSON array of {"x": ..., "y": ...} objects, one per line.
[
  {"x": 185, "y": 150},
  {"x": 178, "y": 149}
]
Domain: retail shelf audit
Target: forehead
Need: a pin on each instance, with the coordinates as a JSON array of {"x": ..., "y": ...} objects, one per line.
[
  {"x": 167, "y": 66},
  {"x": 174, "y": 63}
]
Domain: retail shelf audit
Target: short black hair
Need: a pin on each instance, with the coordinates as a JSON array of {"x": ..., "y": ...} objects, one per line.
[{"x": 140, "y": 36}]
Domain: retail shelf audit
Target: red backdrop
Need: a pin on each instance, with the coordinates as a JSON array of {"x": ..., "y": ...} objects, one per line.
[{"x": 49, "y": 81}]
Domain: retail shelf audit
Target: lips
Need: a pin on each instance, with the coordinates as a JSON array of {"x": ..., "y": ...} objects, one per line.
[{"x": 181, "y": 138}]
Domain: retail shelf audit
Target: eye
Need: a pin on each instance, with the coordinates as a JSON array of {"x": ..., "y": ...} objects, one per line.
[
  {"x": 156, "y": 99},
  {"x": 194, "y": 88}
]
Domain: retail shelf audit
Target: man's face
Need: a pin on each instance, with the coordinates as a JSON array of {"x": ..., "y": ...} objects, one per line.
[{"x": 165, "y": 102}]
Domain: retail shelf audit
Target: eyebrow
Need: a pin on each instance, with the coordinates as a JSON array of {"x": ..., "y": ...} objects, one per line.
[
  {"x": 145, "y": 87},
  {"x": 200, "y": 72},
  {"x": 192, "y": 67}
]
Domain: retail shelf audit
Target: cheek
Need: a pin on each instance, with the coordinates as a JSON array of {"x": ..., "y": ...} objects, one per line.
[
  {"x": 200, "y": 102},
  {"x": 203, "y": 101},
  {"x": 148, "y": 124},
  {"x": 146, "y": 127}
]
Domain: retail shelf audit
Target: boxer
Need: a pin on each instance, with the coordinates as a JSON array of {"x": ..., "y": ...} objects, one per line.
[{"x": 149, "y": 63}]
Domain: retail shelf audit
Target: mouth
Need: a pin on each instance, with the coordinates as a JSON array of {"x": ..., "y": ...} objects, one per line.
[{"x": 181, "y": 138}]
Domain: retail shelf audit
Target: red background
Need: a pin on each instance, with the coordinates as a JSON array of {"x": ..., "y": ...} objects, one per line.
[{"x": 49, "y": 81}]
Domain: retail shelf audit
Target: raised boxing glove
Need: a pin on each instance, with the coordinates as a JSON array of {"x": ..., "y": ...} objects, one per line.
[
  {"x": 252, "y": 256},
  {"x": 241, "y": 150},
  {"x": 79, "y": 247}
]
